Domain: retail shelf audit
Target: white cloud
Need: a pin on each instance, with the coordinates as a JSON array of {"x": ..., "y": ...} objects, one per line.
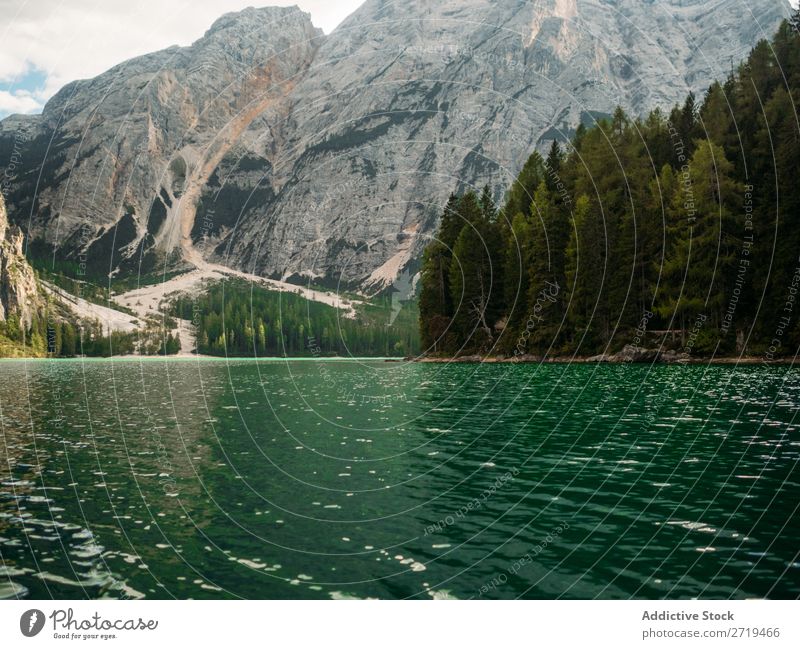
[
  {"x": 77, "y": 39},
  {"x": 19, "y": 101}
]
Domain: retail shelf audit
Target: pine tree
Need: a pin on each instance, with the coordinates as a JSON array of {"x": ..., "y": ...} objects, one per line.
[
  {"x": 516, "y": 277},
  {"x": 547, "y": 268},
  {"x": 488, "y": 208},
  {"x": 435, "y": 308},
  {"x": 475, "y": 286},
  {"x": 451, "y": 223},
  {"x": 778, "y": 235},
  {"x": 58, "y": 338},
  {"x": 715, "y": 116},
  {"x": 786, "y": 46},
  {"x": 68, "y": 340},
  {"x": 686, "y": 123},
  {"x": 657, "y": 144},
  {"x": 520, "y": 194},
  {"x": 701, "y": 267},
  {"x": 584, "y": 276},
  {"x": 553, "y": 168}
]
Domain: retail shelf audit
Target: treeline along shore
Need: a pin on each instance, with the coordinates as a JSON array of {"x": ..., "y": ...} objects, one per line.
[{"x": 672, "y": 237}]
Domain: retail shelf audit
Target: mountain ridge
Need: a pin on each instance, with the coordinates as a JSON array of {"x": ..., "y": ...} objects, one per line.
[{"x": 271, "y": 148}]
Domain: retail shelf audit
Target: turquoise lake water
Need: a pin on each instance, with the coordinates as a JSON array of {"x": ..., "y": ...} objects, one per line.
[{"x": 318, "y": 479}]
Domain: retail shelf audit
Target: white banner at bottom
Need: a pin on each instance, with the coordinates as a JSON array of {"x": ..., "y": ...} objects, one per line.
[{"x": 351, "y": 624}]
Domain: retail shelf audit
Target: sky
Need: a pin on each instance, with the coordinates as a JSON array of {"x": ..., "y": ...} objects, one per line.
[{"x": 45, "y": 44}]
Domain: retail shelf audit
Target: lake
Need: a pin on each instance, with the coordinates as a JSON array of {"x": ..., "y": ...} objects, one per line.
[{"x": 199, "y": 478}]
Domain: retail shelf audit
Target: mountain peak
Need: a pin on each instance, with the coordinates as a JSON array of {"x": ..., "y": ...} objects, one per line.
[{"x": 257, "y": 18}]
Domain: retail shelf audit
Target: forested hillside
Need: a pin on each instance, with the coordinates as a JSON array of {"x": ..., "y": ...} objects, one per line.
[
  {"x": 238, "y": 319},
  {"x": 679, "y": 231}
]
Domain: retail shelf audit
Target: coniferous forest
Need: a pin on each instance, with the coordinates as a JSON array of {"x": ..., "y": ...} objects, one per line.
[
  {"x": 678, "y": 231},
  {"x": 237, "y": 319}
]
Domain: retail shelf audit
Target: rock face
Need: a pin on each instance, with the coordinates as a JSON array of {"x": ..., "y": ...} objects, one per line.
[
  {"x": 110, "y": 172},
  {"x": 18, "y": 291},
  {"x": 270, "y": 148}
]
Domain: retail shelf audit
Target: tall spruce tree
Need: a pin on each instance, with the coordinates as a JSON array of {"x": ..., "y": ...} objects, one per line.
[
  {"x": 435, "y": 307},
  {"x": 474, "y": 278}
]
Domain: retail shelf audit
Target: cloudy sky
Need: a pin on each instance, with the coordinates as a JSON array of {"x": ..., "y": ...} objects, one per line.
[{"x": 44, "y": 44}]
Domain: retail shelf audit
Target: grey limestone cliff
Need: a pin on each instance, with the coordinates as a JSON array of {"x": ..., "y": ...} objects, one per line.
[
  {"x": 270, "y": 148},
  {"x": 19, "y": 294}
]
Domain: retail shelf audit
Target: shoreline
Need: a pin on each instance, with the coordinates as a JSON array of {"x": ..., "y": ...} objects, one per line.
[
  {"x": 527, "y": 359},
  {"x": 609, "y": 360},
  {"x": 205, "y": 357}
]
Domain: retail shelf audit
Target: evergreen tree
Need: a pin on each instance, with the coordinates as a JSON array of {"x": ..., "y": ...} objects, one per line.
[
  {"x": 488, "y": 209},
  {"x": 553, "y": 167},
  {"x": 68, "y": 340},
  {"x": 520, "y": 194},
  {"x": 517, "y": 261},
  {"x": 547, "y": 268},
  {"x": 584, "y": 264},
  {"x": 715, "y": 116},
  {"x": 656, "y": 140},
  {"x": 451, "y": 224},
  {"x": 435, "y": 308},
  {"x": 474, "y": 278}
]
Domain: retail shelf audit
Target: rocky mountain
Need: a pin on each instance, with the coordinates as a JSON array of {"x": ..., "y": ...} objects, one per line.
[
  {"x": 107, "y": 172},
  {"x": 268, "y": 147},
  {"x": 19, "y": 294}
]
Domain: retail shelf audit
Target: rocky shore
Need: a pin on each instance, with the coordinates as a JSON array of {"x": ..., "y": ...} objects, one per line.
[{"x": 628, "y": 354}]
